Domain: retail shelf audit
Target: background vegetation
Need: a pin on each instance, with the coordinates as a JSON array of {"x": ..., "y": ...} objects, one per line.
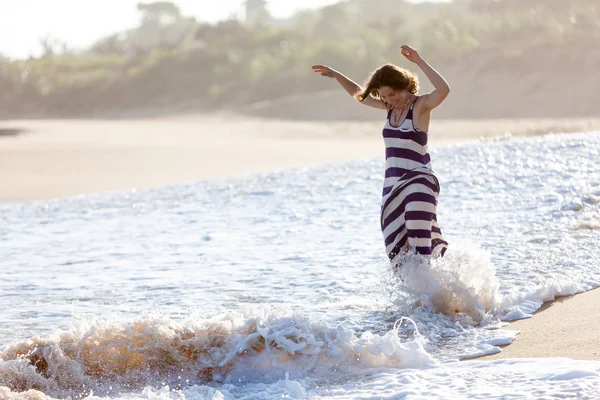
[{"x": 173, "y": 61}]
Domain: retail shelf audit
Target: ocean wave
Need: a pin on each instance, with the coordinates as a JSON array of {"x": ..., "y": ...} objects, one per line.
[{"x": 110, "y": 357}]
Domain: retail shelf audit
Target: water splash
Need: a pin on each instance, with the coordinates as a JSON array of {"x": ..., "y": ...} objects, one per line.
[
  {"x": 108, "y": 357},
  {"x": 463, "y": 283}
]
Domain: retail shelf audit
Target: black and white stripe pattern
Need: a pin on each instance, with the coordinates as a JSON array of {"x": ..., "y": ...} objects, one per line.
[{"x": 410, "y": 193}]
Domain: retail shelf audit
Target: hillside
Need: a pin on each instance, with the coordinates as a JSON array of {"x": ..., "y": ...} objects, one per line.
[
  {"x": 503, "y": 58},
  {"x": 507, "y": 82}
]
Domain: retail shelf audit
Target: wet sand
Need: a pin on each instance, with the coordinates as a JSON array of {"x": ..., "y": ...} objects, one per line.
[{"x": 42, "y": 159}]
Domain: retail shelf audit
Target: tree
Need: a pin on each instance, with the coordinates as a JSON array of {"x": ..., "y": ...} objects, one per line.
[
  {"x": 162, "y": 25},
  {"x": 256, "y": 13},
  {"x": 159, "y": 13},
  {"x": 109, "y": 45},
  {"x": 333, "y": 22},
  {"x": 52, "y": 47}
]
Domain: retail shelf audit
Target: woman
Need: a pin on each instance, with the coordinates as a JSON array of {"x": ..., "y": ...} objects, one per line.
[{"x": 411, "y": 188}]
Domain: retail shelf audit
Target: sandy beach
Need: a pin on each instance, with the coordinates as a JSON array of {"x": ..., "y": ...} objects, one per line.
[
  {"x": 44, "y": 159},
  {"x": 566, "y": 327},
  {"x": 41, "y": 159}
]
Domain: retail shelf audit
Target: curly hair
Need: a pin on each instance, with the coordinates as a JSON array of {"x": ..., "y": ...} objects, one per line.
[{"x": 389, "y": 75}]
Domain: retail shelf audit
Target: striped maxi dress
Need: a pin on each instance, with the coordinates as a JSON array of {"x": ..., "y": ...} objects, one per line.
[{"x": 410, "y": 193}]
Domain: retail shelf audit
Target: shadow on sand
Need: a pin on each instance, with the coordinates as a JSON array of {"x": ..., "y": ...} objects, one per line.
[{"x": 11, "y": 132}]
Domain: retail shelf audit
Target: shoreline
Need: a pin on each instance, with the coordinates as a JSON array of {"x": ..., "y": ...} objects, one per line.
[
  {"x": 562, "y": 328},
  {"x": 43, "y": 159}
]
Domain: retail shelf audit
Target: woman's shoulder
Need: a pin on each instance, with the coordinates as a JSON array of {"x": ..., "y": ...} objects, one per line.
[{"x": 420, "y": 98}]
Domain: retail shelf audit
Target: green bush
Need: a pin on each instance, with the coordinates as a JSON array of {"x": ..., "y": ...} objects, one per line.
[{"x": 232, "y": 64}]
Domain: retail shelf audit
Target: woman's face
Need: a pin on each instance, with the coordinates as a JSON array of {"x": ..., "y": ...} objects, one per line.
[{"x": 392, "y": 96}]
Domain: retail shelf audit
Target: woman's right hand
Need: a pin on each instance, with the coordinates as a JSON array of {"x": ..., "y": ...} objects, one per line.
[{"x": 325, "y": 71}]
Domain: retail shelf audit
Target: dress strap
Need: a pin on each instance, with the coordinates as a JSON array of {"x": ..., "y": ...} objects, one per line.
[
  {"x": 409, "y": 114},
  {"x": 413, "y": 103}
]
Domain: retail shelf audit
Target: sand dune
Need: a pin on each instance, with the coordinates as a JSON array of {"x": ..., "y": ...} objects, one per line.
[{"x": 510, "y": 82}]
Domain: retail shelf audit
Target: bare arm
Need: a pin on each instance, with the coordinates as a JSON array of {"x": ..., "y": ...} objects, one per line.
[
  {"x": 349, "y": 85},
  {"x": 442, "y": 89}
]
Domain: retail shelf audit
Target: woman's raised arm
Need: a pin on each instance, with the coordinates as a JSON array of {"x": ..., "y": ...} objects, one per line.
[
  {"x": 437, "y": 96},
  {"x": 349, "y": 85}
]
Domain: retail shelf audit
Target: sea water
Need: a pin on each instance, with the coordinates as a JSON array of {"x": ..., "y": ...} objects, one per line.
[{"x": 276, "y": 285}]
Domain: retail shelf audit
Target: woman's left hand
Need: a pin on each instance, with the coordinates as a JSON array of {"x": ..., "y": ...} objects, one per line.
[{"x": 411, "y": 54}]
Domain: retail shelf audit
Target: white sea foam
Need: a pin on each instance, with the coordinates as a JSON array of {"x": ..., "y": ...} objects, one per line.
[
  {"x": 109, "y": 357},
  {"x": 462, "y": 282}
]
